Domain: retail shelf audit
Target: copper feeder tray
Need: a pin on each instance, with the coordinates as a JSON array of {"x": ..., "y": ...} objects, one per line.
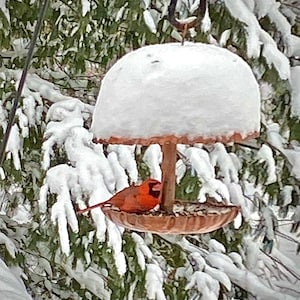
[{"x": 187, "y": 218}]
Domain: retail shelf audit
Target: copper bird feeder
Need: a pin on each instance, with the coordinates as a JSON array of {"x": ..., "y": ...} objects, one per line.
[{"x": 177, "y": 94}]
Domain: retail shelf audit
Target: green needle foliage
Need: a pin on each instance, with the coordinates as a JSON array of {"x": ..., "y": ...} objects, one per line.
[{"x": 79, "y": 42}]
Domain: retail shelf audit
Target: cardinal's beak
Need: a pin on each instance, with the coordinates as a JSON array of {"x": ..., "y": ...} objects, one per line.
[{"x": 157, "y": 187}]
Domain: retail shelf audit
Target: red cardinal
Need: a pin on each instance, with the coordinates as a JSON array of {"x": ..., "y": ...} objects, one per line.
[{"x": 133, "y": 199}]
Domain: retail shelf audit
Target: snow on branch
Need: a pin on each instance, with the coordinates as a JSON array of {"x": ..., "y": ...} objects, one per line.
[
  {"x": 154, "y": 282},
  {"x": 214, "y": 188},
  {"x": 89, "y": 158},
  {"x": 259, "y": 40},
  {"x": 45, "y": 88},
  {"x": 142, "y": 250},
  {"x": 237, "y": 197},
  {"x": 219, "y": 157},
  {"x": 69, "y": 108},
  {"x": 265, "y": 154},
  {"x": 290, "y": 152},
  {"x": 91, "y": 175},
  {"x": 89, "y": 278},
  {"x": 29, "y": 114},
  {"x": 205, "y": 284},
  {"x": 115, "y": 242},
  {"x": 55, "y": 135},
  {"x": 153, "y": 157},
  {"x": 201, "y": 163},
  {"x": 60, "y": 180},
  {"x": 126, "y": 158},
  {"x": 295, "y": 83},
  {"x": 14, "y": 146},
  {"x": 199, "y": 273},
  {"x": 118, "y": 171},
  {"x": 206, "y": 278},
  {"x": 149, "y": 21},
  {"x": 11, "y": 287},
  {"x": 244, "y": 278},
  {"x": 10, "y": 247}
]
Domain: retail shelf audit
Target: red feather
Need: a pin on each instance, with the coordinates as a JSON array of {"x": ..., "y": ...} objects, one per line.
[{"x": 133, "y": 199}]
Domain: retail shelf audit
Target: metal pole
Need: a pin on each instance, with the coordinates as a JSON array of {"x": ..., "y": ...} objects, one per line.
[{"x": 12, "y": 114}]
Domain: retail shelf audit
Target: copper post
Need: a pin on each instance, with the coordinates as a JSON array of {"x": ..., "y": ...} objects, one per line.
[{"x": 168, "y": 176}]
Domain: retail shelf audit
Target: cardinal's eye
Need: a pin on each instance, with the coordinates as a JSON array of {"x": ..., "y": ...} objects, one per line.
[
  {"x": 151, "y": 185},
  {"x": 154, "y": 193},
  {"x": 153, "y": 190}
]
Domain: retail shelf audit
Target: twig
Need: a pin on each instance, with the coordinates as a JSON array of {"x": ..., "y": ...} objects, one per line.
[
  {"x": 287, "y": 237},
  {"x": 280, "y": 263}
]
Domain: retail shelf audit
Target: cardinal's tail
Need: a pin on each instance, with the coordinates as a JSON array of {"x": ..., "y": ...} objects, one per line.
[{"x": 81, "y": 211}]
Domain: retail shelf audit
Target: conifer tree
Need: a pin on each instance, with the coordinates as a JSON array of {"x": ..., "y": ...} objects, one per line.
[{"x": 59, "y": 255}]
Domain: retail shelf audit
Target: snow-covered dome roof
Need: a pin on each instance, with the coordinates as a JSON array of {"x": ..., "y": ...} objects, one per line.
[{"x": 178, "y": 93}]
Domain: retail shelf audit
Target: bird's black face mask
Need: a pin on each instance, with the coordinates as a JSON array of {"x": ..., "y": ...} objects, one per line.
[{"x": 152, "y": 191}]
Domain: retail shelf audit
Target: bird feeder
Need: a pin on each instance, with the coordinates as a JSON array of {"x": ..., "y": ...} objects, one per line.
[{"x": 177, "y": 94}]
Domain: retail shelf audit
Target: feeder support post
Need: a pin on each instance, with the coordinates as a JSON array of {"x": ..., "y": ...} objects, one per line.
[{"x": 168, "y": 176}]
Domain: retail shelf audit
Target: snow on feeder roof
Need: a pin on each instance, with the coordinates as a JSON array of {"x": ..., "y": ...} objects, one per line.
[
  {"x": 177, "y": 93},
  {"x": 170, "y": 94}
]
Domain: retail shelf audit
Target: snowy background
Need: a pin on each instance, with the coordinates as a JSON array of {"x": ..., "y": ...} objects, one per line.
[{"x": 52, "y": 163}]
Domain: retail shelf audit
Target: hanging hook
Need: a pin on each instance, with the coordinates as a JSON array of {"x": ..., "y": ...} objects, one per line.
[{"x": 186, "y": 24}]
